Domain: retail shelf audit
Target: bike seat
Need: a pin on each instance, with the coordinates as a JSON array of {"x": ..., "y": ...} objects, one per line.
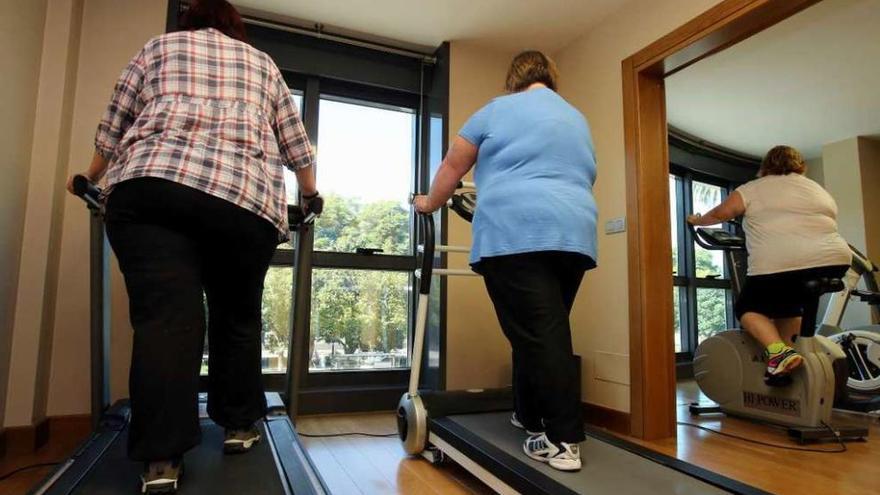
[{"x": 824, "y": 285}]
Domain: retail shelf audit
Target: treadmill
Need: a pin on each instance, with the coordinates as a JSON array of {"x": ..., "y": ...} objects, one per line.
[
  {"x": 472, "y": 427},
  {"x": 278, "y": 464}
]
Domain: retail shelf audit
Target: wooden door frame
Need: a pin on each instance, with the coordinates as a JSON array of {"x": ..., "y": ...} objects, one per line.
[{"x": 652, "y": 355}]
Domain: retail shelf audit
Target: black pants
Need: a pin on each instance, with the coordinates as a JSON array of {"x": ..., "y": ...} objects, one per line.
[
  {"x": 533, "y": 294},
  {"x": 179, "y": 247},
  {"x": 783, "y": 294}
]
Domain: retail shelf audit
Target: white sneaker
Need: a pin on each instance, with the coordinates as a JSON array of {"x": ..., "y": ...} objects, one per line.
[
  {"x": 161, "y": 477},
  {"x": 515, "y": 422},
  {"x": 241, "y": 441},
  {"x": 564, "y": 456}
]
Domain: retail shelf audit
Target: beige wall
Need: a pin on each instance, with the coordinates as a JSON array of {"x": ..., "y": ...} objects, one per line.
[
  {"x": 61, "y": 80},
  {"x": 843, "y": 180},
  {"x": 477, "y": 355},
  {"x": 110, "y": 37},
  {"x": 21, "y": 41},
  {"x": 591, "y": 80},
  {"x": 869, "y": 161},
  {"x": 815, "y": 170},
  {"x": 34, "y": 311}
]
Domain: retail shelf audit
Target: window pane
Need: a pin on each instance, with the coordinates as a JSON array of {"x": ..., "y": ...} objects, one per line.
[
  {"x": 359, "y": 320},
  {"x": 676, "y": 318},
  {"x": 366, "y": 159},
  {"x": 711, "y": 312},
  {"x": 289, "y": 177},
  {"x": 674, "y": 221},
  {"x": 708, "y": 263},
  {"x": 276, "y": 321},
  {"x": 277, "y": 296}
]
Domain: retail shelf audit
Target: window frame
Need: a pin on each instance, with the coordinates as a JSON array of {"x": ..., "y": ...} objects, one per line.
[
  {"x": 687, "y": 278},
  {"x": 314, "y": 89}
]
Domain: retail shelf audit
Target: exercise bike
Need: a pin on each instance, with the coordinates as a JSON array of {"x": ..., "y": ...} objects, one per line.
[
  {"x": 860, "y": 344},
  {"x": 729, "y": 366}
]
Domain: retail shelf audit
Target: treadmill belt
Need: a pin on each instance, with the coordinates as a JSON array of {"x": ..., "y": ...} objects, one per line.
[
  {"x": 610, "y": 465},
  {"x": 206, "y": 469}
]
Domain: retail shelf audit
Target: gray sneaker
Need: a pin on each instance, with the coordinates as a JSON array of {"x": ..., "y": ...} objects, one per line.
[
  {"x": 562, "y": 456},
  {"x": 161, "y": 477},
  {"x": 241, "y": 441}
]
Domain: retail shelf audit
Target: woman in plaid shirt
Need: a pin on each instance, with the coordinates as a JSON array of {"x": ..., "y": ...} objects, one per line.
[{"x": 193, "y": 144}]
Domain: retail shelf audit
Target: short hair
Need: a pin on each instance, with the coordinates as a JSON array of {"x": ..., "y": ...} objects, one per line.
[
  {"x": 217, "y": 14},
  {"x": 782, "y": 160},
  {"x": 531, "y": 67}
]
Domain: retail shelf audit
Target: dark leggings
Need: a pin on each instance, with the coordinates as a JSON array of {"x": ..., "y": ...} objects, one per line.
[
  {"x": 533, "y": 294},
  {"x": 180, "y": 249}
]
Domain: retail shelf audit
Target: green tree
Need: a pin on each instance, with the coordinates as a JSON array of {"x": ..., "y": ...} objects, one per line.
[
  {"x": 357, "y": 310},
  {"x": 711, "y": 303},
  {"x": 276, "y": 309}
]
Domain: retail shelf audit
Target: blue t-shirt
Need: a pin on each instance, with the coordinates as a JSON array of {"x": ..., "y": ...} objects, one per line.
[{"x": 535, "y": 172}]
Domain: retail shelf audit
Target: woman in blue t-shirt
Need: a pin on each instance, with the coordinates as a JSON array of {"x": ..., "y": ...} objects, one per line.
[{"x": 534, "y": 236}]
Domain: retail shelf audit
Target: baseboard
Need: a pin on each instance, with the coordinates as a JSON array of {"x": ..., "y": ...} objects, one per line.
[
  {"x": 604, "y": 417},
  {"x": 349, "y": 400},
  {"x": 20, "y": 440}
]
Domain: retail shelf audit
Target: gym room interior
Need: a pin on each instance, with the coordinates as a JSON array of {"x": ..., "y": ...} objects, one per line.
[{"x": 683, "y": 98}]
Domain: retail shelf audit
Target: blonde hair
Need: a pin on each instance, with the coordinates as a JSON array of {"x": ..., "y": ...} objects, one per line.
[
  {"x": 782, "y": 160},
  {"x": 528, "y": 68}
]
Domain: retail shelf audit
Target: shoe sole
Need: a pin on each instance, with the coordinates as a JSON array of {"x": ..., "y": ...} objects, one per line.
[
  {"x": 558, "y": 464},
  {"x": 164, "y": 487},
  {"x": 788, "y": 366},
  {"x": 240, "y": 446},
  {"x": 565, "y": 464}
]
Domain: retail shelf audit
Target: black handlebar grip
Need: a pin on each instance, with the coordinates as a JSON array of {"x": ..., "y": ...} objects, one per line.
[
  {"x": 89, "y": 192},
  {"x": 316, "y": 205},
  {"x": 81, "y": 185}
]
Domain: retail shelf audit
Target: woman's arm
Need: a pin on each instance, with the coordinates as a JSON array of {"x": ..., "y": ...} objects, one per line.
[
  {"x": 459, "y": 160},
  {"x": 95, "y": 171},
  {"x": 305, "y": 178},
  {"x": 731, "y": 208}
]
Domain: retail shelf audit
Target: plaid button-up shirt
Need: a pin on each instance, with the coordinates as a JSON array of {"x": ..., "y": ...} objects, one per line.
[{"x": 209, "y": 112}]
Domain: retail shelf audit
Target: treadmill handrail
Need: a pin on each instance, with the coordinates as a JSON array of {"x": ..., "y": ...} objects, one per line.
[{"x": 699, "y": 235}]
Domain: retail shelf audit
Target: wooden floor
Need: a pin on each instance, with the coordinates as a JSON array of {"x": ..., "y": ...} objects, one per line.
[
  {"x": 779, "y": 471},
  {"x": 371, "y": 465},
  {"x": 66, "y": 437},
  {"x": 378, "y": 465},
  {"x": 355, "y": 465}
]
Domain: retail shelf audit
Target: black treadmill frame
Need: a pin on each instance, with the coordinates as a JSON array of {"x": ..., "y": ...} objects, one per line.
[{"x": 508, "y": 467}]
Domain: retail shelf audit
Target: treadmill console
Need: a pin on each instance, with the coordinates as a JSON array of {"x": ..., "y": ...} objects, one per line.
[{"x": 721, "y": 238}]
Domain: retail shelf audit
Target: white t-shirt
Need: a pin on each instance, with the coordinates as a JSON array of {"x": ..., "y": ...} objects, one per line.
[{"x": 791, "y": 224}]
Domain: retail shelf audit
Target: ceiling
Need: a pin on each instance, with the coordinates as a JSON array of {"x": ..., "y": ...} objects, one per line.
[
  {"x": 810, "y": 80},
  {"x": 504, "y": 24}
]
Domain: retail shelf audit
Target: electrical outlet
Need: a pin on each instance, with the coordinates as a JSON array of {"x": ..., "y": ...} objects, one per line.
[{"x": 615, "y": 225}]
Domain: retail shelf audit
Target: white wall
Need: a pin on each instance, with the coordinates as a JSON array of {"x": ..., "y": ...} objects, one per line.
[{"x": 591, "y": 80}]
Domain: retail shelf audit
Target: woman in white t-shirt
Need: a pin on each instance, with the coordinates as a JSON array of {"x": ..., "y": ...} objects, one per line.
[{"x": 791, "y": 237}]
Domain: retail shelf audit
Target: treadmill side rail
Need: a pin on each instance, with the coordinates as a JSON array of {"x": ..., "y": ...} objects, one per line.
[
  {"x": 298, "y": 470},
  {"x": 69, "y": 474}
]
